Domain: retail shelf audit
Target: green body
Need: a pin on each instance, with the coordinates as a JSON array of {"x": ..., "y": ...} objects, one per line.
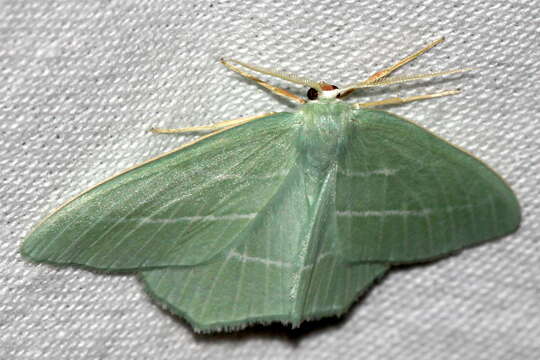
[{"x": 285, "y": 218}]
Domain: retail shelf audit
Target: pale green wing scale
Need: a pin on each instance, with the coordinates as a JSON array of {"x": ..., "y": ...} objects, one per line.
[
  {"x": 405, "y": 195},
  {"x": 179, "y": 209},
  {"x": 286, "y": 268}
]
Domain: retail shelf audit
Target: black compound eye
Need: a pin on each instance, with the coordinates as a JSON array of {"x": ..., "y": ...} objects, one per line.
[{"x": 312, "y": 94}]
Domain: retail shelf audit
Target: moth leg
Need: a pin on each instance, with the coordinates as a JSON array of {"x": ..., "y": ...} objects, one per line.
[
  {"x": 210, "y": 128},
  {"x": 276, "y": 90},
  {"x": 399, "y": 100}
]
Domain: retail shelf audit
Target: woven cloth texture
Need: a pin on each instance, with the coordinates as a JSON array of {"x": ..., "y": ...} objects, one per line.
[{"x": 81, "y": 82}]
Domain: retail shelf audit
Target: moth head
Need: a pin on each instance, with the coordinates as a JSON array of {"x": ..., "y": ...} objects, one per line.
[{"x": 325, "y": 91}]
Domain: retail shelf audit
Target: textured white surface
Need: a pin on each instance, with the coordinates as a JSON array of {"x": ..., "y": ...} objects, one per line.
[{"x": 81, "y": 82}]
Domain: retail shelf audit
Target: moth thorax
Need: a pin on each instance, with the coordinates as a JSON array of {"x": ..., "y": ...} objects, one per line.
[{"x": 324, "y": 132}]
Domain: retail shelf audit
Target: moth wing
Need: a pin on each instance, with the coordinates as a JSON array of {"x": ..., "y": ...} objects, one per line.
[
  {"x": 405, "y": 195},
  {"x": 182, "y": 208},
  {"x": 265, "y": 277},
  {"x": 212, "y": 299}
]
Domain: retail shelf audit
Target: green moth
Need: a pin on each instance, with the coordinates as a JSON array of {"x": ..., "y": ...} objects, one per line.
[{"x": 286, "y": 216}]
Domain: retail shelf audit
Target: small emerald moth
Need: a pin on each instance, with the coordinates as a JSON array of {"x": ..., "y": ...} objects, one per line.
[{"x": 285, "y": 216}]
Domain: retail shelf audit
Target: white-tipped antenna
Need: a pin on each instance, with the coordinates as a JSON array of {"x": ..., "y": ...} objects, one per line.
[{"x": 285, "y": 75}]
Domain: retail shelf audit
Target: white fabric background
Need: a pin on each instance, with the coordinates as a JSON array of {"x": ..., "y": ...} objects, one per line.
[{"x": 82, "y": 81}]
